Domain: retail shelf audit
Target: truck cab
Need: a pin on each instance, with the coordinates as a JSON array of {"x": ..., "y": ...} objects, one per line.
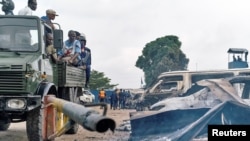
[
  {"x": 21, "y": 64},
  {"x": 27, "y": 73}
]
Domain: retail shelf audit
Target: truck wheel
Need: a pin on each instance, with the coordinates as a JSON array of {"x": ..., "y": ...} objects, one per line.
[
  {"x": 4, "y": 125},
  {"x": 34, "y": 125}
]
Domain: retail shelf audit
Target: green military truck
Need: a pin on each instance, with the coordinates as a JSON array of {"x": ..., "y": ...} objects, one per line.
[{"x": 27, "y": 74}]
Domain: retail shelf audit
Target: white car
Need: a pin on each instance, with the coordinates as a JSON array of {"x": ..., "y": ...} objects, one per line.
[{"x": 87, "y": 97}]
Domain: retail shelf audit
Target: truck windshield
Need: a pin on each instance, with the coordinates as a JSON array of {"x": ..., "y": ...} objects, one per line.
[{"x": 18, "y": 34}]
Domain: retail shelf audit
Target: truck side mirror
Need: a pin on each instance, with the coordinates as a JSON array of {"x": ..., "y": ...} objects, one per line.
[{"x": 58, "y": 39}]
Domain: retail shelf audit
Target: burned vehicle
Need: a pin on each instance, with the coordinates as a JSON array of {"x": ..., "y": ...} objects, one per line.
[
  {"x": 172, "y": 84},
  {"x": 222, "y": 101}
]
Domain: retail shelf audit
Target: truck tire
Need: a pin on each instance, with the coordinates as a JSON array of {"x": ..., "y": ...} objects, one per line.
[
  {"x": 4, "y": 125},
  {"x": 34, "y": 125}
]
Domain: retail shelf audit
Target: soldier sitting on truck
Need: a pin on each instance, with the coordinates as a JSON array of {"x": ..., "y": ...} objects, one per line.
[
  {"x": 50, "y": 15},
  {"x": 50, "y": 50},
  {"x": 71, "y": 50},
  {"x": 8, "y": 7},
  {"x": 85, "y": 55},
  {"x": 28, "y": 10}
]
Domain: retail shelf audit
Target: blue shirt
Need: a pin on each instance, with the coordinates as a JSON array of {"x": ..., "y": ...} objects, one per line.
[
  {"x": 46, "y": 19},
  {"x": 71, "y": 47},
  {"x": 83, "y": 54}
]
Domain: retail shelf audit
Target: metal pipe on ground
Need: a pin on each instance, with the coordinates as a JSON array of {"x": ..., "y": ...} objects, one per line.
[{"x": 86, "y": 117}]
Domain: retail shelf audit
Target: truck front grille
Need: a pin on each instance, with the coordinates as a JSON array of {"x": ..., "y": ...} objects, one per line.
[
  {"x": 11, "y": 81},
  {"x": 16, "y": 67}
]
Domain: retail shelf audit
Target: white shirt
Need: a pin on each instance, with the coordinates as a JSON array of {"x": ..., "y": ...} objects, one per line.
[{"x": 25, "y": 11}]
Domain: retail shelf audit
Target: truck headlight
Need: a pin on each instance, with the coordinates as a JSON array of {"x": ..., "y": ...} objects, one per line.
[{"x": 16, "y": 103}]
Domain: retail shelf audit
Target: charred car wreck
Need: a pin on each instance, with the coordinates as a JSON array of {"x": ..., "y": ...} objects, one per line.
[
  {"x": 223, "y": 101},
  {"x": 172, "y": 84}
]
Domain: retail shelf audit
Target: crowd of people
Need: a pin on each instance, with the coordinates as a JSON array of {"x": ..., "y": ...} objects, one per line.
[
  {"x": 117, "y": 99},
  {"x": 74, "y": 51}
]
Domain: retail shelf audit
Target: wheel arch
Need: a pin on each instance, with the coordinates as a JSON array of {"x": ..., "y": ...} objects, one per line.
[{"x": 46, "y": 88}]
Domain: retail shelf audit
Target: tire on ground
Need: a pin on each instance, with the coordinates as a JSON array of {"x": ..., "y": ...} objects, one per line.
[
  {"x": 4, "y": 125},
  {"x": 34, "y": 125}
]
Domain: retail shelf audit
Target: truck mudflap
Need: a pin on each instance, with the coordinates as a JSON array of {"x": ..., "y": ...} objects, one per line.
[{"x": 19, "y": 103}]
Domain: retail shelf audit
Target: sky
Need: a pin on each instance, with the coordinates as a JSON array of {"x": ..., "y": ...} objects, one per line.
[{"x": 118, "y": 30}]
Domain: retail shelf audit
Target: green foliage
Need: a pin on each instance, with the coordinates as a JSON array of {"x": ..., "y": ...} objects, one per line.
[
  {"x": 98, "y": 80},
  {"x": 163, "y": 54}
]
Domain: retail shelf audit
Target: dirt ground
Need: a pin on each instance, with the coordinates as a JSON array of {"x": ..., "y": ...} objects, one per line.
[{"x": 17, "y": 131}]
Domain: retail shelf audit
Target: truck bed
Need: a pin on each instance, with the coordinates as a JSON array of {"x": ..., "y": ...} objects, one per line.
[{"x": 69, "y": 76}]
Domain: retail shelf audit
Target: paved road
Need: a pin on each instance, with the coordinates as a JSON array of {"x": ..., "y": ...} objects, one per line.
[{"x": 16, "y": 132}]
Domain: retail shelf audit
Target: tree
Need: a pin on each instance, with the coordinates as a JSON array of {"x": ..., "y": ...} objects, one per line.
[
  {"x": 163, "y": 54},
  {"x": 98, "y": 80}
]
